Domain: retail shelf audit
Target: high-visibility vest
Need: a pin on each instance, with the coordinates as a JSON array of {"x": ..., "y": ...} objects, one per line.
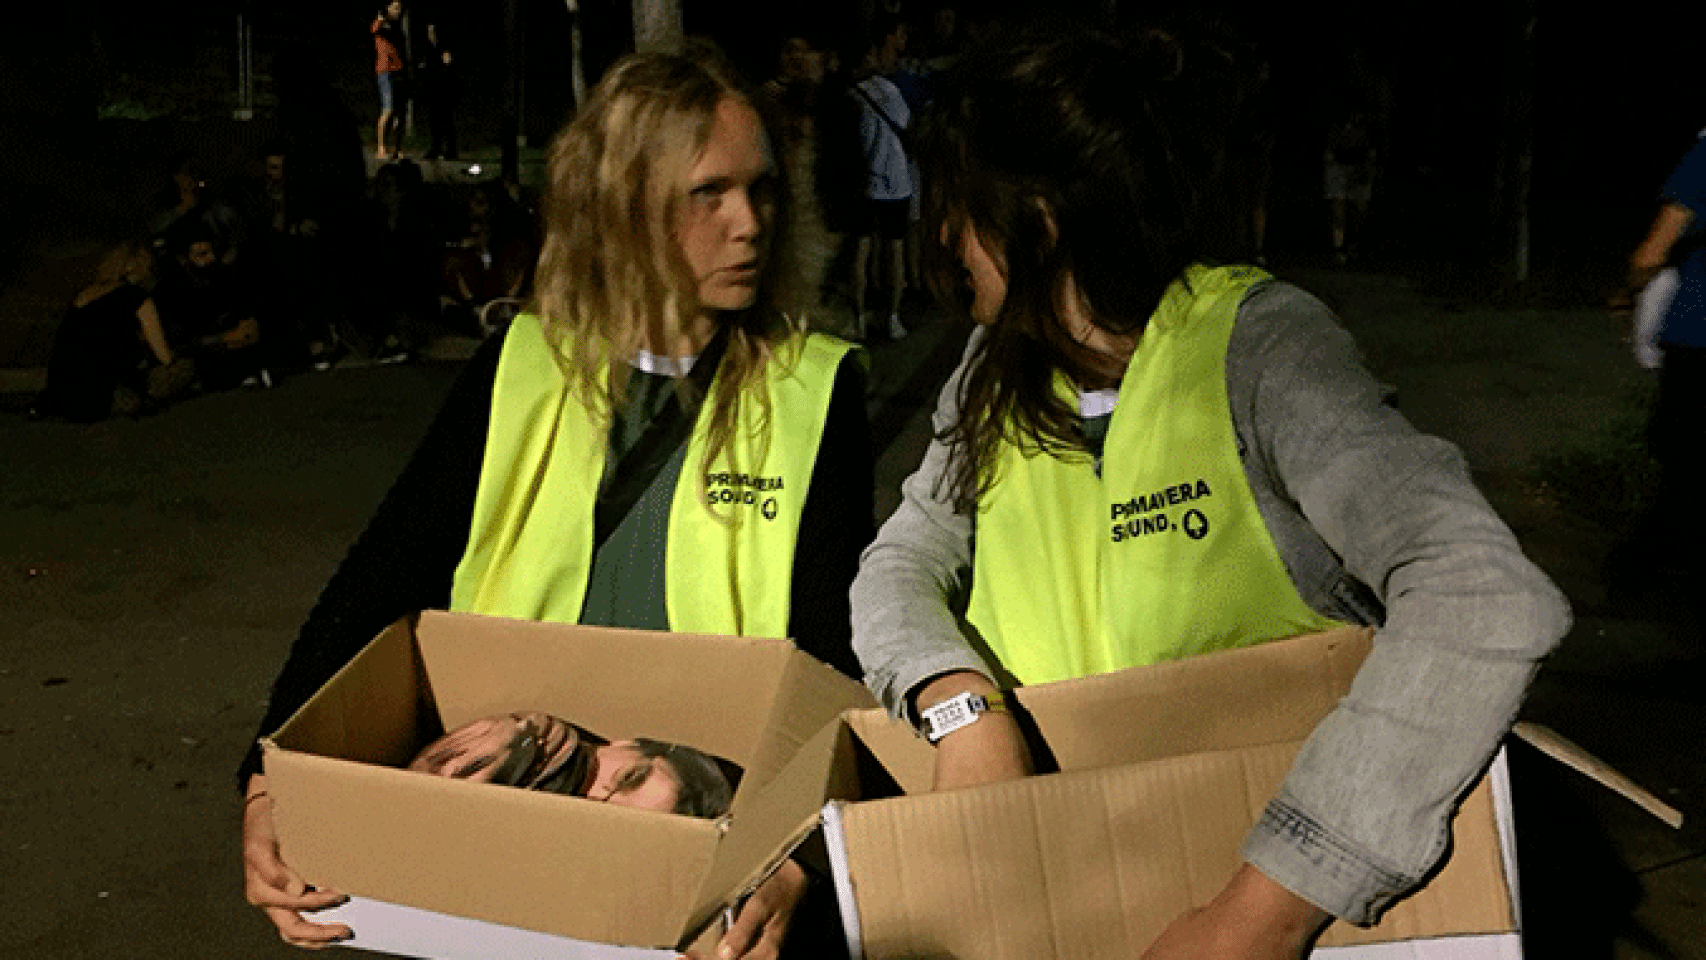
[
  {"x": 1165, "y": 554},
  {"x": 729, "y": 555}
]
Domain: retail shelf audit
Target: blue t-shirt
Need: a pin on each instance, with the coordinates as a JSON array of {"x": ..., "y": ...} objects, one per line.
[{"x": 1685, "y": 321}]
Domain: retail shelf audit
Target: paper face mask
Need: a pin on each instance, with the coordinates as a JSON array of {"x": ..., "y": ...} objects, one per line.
[{"x": 537, "y": 751}]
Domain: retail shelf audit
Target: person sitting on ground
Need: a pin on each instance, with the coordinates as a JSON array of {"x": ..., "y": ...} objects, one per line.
[
  {"x": 486, "y": 275},
  {"x": 180, "y": 196},
  {"x": 289, "y": 257},
  {"x": 651, "y": 446},
  {"x": 536, "y": 751},
  {"x": 186, "y": 205},
  {"x": 397, "y": 281},
  {"x": 110, "y": 337},
  {"x": 209, "y": 314}
]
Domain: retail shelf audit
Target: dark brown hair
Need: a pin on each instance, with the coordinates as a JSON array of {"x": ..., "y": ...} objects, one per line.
[
  {"x": 707, "y": 782},
  {"x": 1076, "y": 156}
]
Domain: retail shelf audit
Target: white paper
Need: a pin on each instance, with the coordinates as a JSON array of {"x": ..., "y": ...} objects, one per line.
[{"x": 412, "y": 932}]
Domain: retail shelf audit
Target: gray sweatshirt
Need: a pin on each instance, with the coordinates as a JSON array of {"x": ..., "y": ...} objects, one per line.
[{"x": 1377, "y": 524}]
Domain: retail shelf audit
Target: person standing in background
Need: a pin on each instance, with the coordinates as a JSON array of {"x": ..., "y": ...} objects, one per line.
[
  {"x": 391, "y": 44},
  {"x": 885, "y": 116},
  {"x": 437, "y": 73},
  {"x": 1675, "y": 240},
  {"x": 1348, "y": 161}
]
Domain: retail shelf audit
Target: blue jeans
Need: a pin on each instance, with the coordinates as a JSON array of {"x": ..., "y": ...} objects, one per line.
[{"x": 392, "y": 88}]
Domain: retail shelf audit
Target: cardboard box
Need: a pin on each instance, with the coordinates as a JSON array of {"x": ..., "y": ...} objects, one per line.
[
  {"x": 1143, "y": 822},
  {"x": 452, "y": 869}
]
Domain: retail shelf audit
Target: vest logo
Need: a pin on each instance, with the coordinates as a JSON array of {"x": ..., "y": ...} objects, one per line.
[
  {"x": 1147, "y": 514},
  {"x": 743, "y": 489},
  {"x": 1196, "y": 525}
]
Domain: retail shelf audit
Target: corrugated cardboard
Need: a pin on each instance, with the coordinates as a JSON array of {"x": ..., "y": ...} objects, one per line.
[
  {"x": 418, "y": 851},
  {"x": 1143, "y": 822}
]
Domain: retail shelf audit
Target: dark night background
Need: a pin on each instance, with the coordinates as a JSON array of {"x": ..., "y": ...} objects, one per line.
[
  {"x": 95, "y": 95},
  {"x": 1612, "y": 96}
]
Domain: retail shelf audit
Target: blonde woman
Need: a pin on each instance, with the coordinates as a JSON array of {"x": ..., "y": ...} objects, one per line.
[
  {"x": 651, "y": 447},
  {"x": 110, "y": 333}
]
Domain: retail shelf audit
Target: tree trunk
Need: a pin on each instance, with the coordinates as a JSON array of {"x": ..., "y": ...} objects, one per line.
[
  {"x": 1514, "y": 172},
  {"x": 577, "y": 59},
  {"x": 1524, "y": 121},
  {"x": 509, "y": 135},
  {"x": 245, "y": 107},
  {"x": 657, "y": 26}
]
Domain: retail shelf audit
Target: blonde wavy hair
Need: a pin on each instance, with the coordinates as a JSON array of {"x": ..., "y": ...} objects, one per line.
[{"x": 611, "y": 271}]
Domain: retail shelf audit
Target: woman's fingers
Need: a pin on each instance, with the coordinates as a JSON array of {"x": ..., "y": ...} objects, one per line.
[
  {"x": 288, "y": 892},
  {"x": 270, "y": 884},
  {"x": 297, "y": 932},
  {"x": 762, "y": 924},
  {"x": 283, "y": 897}
]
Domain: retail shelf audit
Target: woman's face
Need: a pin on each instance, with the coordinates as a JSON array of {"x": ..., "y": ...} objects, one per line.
[
  {"x": 201, "y": 254},
  {"x": 800, "y": 62},
  {"x": 549, "y": 749},
  {"x": 987, "y": 277},
  {"x": 724, "y": 224},
  {"x": 624, "y": 776}
]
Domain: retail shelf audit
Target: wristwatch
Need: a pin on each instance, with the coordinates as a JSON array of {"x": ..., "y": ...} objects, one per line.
[{"x": 960, "y": 710}]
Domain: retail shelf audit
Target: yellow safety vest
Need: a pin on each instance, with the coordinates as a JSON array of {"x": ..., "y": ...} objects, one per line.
[
  {"x": 1162, "y": 556},
  {"x": 728, "y": 562}
]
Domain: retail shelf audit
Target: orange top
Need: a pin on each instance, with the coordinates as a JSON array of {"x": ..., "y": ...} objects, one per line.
[{"x": 390, "y": 59}]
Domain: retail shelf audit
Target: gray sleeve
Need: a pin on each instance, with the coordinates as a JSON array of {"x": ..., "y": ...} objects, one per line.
[
  {"x": 914, "y": 578},
  {"x": 1365, "y": 813}
]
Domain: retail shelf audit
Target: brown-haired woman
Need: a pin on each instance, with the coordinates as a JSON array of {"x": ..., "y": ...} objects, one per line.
[
  {"x": 652, "y": 446},
  {"x": 1149, "y": 453}
]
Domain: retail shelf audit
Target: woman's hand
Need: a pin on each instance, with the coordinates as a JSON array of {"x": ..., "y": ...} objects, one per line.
[
  {"x": 762, "y": 923},
  {"x": 274, "y": 887},
  {"x": 1252, "y": 918},
  {"x": 246, "y": 333}
]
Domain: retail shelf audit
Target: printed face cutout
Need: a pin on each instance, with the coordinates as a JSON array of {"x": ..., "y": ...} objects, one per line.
[{"x": 537, "y": 751}]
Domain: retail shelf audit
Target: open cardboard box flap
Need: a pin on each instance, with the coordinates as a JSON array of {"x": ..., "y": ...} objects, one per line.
[
  {"x": 1144, "y": 822},
  {"x": 1269, "y": 693},
  {"x": 350, "y": 819}
]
